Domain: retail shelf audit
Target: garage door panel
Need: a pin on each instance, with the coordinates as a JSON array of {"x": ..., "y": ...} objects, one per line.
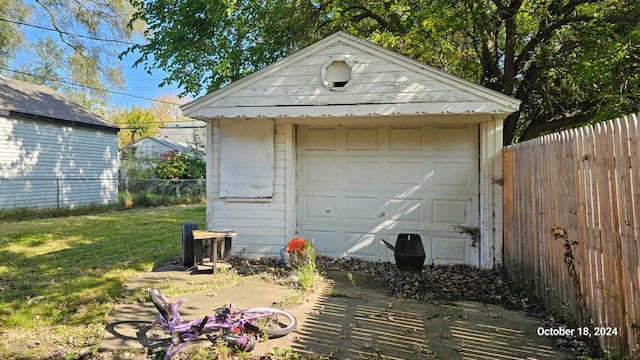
[
  {"x": 362, "y": 208},
  {"x": 405, "y": 210},
  {"x": 319, "y": 207},
  {"x": 358, "y": 244},
  {"x": 324, "y": 240},
  {"x": 362, "y": 139},
  {"x": 402, "y": 173},
  {"x": 454, "y": 139},
  {"x": 377, "y": 182},
  {"x": 317, "y": 139},
  {"x": 455, "y": 176},
  {"x": 406, "y": 139},
  {"x": 449, "y": 212},
  {"x": 323, "y": 173},
  {"x": 450, "y": 250},
  {"x": 453, "y": 250},
  {"x": 362, "y": 173}
]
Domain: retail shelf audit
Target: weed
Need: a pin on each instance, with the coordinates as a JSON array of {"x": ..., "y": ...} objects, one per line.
[
  {"x": 352, "y": 279},
  {"x": 285, "y": 354},
  {"x": 336, "y": 294},
  {"x": 306, "y": 270}
]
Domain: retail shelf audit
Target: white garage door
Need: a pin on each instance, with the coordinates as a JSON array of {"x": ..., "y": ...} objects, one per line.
[{"x": 356, "y": 185}]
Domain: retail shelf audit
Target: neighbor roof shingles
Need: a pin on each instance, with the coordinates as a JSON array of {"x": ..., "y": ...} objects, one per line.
[{"x": 20, "y": 97}]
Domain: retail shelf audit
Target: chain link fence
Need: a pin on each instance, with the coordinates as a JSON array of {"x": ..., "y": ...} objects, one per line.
[
  {"x": 57, "y": 192},
  {"x": 70, "y": 193},
  {"x": 161, "y": 192}
]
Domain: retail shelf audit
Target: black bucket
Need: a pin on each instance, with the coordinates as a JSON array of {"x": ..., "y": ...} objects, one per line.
[{"x": 409, "y": 252}]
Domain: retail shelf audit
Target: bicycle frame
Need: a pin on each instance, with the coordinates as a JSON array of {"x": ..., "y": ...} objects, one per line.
[{"x": 226, "y": 320}]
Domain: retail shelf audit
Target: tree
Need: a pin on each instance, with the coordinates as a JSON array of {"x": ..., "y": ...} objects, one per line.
[
  {"x": 167, "y": 109},
  {"x": 197, "y": 161},
  {"x": 135, "y": 124},
  {"x": 569, "y": 62},
  {"x": 186, "y": 165},
  {"x": 173, "y": 166},
  {"x": 64, "y": 43}
]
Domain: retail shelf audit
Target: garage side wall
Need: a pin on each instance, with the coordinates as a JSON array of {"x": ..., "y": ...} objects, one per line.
[
  {"x": 261, "y": 222},
  {"x": 491, "y": 192}
]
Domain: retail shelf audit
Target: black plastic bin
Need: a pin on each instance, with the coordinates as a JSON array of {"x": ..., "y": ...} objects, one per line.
[
  {"x": 188, "y": 244},
  {"x": 409, "y": 252}
]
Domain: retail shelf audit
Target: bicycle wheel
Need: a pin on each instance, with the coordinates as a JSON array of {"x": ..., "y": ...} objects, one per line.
[
  {"x": 271, "y": 321},
  {"x": 161, "y": 303}
]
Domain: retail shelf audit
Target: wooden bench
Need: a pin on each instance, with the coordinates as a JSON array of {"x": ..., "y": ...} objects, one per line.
[{"x": 216, "y": 237}]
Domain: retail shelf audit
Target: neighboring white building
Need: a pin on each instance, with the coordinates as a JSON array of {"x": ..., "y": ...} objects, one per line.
[
  {"x": 345, "y": 143},
  {"x": 53, "y": 152},
  {"x": 147, "y": 152},
  {"x": 152, "y": 148},
  {"x": 183, "y": 132}
]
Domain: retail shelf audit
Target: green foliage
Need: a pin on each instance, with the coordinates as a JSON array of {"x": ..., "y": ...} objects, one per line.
[
  {"x": 136, "y": 124},
  {"x": 569, "y": 63},
  {"x": 28, "y": 213},
  {"x": 225, "y": 41},
  {"x": 136, "y": 167},
  {"x": 305, "y": 268},
  {"x": 142, "y": 200},
  {"x": 173, "y": 165},
  {"x": 185, "y": 165},
  {"x": 197, "y": 164},
  {"x": 69, "y": 52}
]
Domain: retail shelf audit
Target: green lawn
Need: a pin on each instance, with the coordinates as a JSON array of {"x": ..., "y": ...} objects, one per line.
[{"x": 61, "y": 277}]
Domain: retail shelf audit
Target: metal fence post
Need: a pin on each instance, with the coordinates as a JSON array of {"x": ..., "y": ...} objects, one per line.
[
  {"x": 58, "y": 193},
  {"x": 126, "y": 189}
]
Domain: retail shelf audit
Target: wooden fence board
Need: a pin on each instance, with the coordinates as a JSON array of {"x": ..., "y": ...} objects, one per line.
[
  {"x": 623, "y": 193},
  {"x": 579, "y": 188},
  {"x": 632, "y": 303}
]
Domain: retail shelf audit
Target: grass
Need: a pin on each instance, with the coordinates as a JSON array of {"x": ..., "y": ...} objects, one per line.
[{"x": 60, "y": 277}]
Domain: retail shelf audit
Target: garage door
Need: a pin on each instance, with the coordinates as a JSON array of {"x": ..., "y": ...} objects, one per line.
[{"x": 356, "y": 185}]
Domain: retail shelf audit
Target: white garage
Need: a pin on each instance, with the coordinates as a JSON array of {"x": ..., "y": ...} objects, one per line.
[{"x": 346, "y": 143}]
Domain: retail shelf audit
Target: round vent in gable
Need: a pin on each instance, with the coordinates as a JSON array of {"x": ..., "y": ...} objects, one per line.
[{"x": 338, "y": 74}]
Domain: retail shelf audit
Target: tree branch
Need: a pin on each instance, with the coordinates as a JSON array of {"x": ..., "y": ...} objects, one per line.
[
  {"x": 544, "y": 34},
  {"x": 367, "y": 14},
  {"x": 558, "y": 121}
]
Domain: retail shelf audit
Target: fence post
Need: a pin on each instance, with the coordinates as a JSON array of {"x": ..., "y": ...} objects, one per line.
[
  {"x": 57, "y": 193},
  {"x": 126, "y": 190}
]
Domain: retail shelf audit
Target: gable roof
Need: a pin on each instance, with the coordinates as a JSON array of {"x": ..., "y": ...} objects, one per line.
[
  {"x": 384, "y": 83},
  {"x": 23, "y": 99},
  {"x": 181, "y": 131},
  {"x": 169, "y": 144}
]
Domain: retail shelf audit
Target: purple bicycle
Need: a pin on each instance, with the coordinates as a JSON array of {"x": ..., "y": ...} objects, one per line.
[{"x": 237, "y": 327}]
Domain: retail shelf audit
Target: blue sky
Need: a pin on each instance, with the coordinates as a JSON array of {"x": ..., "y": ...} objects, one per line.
[{"x": 141, "y": 85}]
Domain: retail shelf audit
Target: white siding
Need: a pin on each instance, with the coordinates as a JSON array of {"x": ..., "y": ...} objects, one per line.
[
  {"x": 260, "y": 223},
  {"x": 149, "y": 148},
  {"x": 376, "y": 81},
  {"x": 383, "y": 83},
  {"x": 46, "y": 165}
]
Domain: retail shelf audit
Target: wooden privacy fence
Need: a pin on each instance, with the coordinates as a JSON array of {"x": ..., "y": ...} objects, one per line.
[{"x": 572, "y": 226}]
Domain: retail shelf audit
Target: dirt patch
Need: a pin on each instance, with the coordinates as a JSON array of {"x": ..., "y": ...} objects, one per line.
[{"x": 354, "y": 315}]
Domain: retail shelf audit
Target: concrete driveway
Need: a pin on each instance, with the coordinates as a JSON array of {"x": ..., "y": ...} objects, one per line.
[{"x": 347, "y": 318}]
